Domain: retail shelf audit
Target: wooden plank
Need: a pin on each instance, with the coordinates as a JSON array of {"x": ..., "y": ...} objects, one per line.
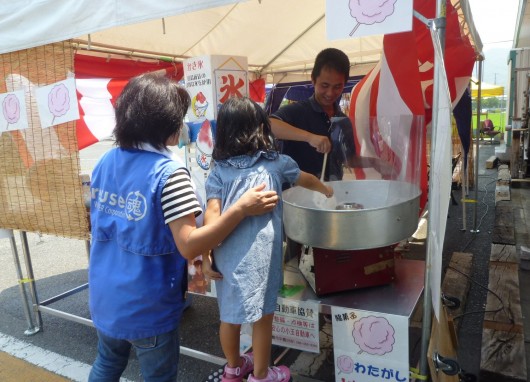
[
  {"x": 504, "y": 253},
  {"x": 502, "y": 193},
  {"x": 504, "y": 304},
  {"x": 441, "y": 342},
  {"x": 455, "y": 283},
  {"x": 492, "y": 161},
  {"x": 504, "y": 216},
  {"x": 515, "y": 154},
  {"x": 502, "y": 357},
  {"x": 499, "y": 326},
  {"x": 503, "y": 175},
  {"x": 503, "y": 235}
]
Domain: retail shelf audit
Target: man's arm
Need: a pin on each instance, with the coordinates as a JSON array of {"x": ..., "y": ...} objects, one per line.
[{"x": 284, "y": 131}]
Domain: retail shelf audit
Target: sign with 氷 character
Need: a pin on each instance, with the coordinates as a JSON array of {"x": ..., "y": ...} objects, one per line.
[
  {"x": 211, "y": 80},
  {"x": 370, "y": 346}
]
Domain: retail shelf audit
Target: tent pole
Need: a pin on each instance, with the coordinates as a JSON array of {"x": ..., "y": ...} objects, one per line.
[
  {"x": 464, "y": 192},
  {"x": 477, "y": 139}
]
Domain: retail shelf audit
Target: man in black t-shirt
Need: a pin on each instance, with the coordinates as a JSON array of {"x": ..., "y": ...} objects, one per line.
[{"x": 305, "y": 126}]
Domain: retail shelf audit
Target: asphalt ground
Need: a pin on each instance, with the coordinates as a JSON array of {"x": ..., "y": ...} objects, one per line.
[
  {"x": 60, "y": 264},
  {"x": 476, "y": 240}
]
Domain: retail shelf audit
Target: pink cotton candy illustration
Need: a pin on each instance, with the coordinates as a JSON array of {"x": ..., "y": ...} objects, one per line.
[
  {"x": 59, "y": 101},
  {"x": 374, "y": 335},
  {"x": 370, "y": 11},
  {"x": 11, "y": 109},
  {"x": 345, "y": 364}
]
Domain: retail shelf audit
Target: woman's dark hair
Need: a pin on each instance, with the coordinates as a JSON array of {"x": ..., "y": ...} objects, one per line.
[
  {"x": 331, "y": 58},
  {"x": 150, "y": 109},
  {"x": 243, "y": 128}
]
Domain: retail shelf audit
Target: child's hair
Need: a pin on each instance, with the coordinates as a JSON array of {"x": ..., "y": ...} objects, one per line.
[
  {"x": 243, "y": 128},
  {"x": 150, "y": 109}
]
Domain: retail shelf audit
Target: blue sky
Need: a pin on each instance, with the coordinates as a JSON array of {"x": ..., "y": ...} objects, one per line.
[{"x": 495, "y": 22}]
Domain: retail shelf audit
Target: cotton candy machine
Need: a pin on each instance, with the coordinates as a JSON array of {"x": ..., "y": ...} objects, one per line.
[
  {"x": 349, "y": 238},
  {"x": 362, "y": 214}
]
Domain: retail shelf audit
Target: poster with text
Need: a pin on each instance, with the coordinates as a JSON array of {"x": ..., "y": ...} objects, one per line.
[
  {"x": 57, "y": 103},
  {"x": 356, "y": 18},
  {"x": 198, "y": 80},
  {"x": 14, "y": 114},
  {"x": 295, "y": 325},
  {"x": 370, "y": 346},
  {"x": 197, "y": 281}
]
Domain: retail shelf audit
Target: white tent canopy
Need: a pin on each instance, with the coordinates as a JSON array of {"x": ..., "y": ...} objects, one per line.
[{"x": 279, "y": 37}]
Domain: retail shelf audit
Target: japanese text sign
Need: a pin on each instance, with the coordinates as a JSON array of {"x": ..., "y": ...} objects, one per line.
[
  {"x": 370, "y": 346},
  {"x": 295, "y": 325}
]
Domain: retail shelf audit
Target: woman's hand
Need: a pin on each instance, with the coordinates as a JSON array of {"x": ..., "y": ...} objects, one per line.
[{"x": 257, "y": 202}]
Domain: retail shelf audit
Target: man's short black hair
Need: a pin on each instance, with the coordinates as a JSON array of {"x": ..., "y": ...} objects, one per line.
[{"x": 331, "y": 58}]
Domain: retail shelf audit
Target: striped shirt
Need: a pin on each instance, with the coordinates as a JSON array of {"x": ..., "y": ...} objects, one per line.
[{"x": 178, "y": 197}]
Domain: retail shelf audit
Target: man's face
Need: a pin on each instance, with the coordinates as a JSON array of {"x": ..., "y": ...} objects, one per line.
[{"x": 328, "y": 87}]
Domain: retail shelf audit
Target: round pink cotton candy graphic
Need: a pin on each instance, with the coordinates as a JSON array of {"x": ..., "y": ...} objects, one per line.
[
  {"x": 11, "y": 108},
  {"x": 371, "y": 11},
  {"x": 374, "y": 335},
  {"x": 59, "y": 100},
  {"x": 345, "y": 364}
]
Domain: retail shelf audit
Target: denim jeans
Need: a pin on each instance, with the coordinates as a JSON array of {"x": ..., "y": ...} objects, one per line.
[{"x": 158, "y": 357}]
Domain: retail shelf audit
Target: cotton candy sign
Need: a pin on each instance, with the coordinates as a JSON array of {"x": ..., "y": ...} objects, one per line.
[
  {"x": 369, "y": 346},
  {"x": 57, "y": 103},
  {"x": 13, "y": 114},
  {"x": 357, "y": 18}
]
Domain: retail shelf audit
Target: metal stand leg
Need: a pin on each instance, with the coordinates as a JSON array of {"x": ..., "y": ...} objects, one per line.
[
  {"x": 87, "y": 247},
  {"x": 32, "y": 329},
  {"x": 31, "y": 279}
]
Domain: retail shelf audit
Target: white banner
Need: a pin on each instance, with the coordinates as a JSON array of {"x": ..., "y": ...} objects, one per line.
[{"x": 29, "y": 23}]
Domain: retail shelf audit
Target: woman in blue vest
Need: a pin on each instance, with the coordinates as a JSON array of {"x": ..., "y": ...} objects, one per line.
[{"x": 142, "y": 211}]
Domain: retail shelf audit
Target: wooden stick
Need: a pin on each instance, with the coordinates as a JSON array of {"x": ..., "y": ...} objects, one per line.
[{"x": 324, "y": 167}]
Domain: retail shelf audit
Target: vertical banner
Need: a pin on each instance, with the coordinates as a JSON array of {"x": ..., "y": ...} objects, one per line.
[
  {"x": 441, "y": 177},
  {"x": 370, "y": 346},
  {"x": 295, "y": 325},
  {"x": 210, "y": 80}
]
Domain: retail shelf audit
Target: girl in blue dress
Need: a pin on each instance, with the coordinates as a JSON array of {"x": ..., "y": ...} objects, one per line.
[{"x": 249, "y": 261}]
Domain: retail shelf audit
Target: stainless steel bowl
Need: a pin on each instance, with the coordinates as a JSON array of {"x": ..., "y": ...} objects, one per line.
[{"x": 362, "y": 214}]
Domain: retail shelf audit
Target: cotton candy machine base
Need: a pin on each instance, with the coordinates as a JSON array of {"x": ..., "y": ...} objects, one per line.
[
  {"x": 329, "y": 271},
  {"x": 349, "y": 239}
]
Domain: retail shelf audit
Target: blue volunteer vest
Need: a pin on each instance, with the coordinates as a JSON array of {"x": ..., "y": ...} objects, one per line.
[{"x": 137, "y": 277}]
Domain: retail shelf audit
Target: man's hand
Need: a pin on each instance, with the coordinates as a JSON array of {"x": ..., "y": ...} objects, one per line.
[
  {"x": 386, "y": 169},
  {"x": 258, "y": 202},
  {"x": 320, "y": 142}
]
